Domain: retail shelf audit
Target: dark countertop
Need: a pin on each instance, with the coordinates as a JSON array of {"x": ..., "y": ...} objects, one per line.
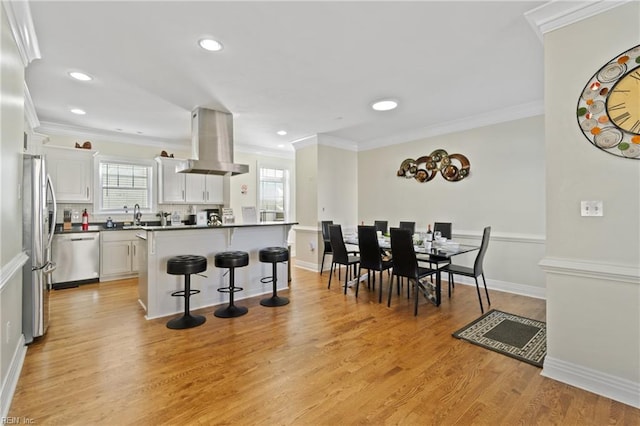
[
  {"x": 187, "y": 227},
  {"x": 155, "y": 226}
]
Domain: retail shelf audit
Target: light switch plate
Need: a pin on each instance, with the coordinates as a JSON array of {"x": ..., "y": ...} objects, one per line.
[{"x": 591, "y": 208}]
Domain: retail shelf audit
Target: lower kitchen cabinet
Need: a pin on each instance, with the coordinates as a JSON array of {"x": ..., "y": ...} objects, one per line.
[{"x": 118, "y": 255}]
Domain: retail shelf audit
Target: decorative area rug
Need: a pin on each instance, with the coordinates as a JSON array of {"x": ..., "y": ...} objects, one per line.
[{"x": 512, "y": 335}]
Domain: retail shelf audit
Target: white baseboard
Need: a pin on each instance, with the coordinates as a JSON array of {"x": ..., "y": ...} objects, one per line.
[
  {"x": 616, "y": 388},
  {"x": 507, "y": 287},
  {"x": 11, "y": 381},
  {"x": 309, "y": 266}
]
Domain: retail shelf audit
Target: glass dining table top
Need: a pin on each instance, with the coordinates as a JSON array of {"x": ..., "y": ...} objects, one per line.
[{"x": 437, "y": 251}]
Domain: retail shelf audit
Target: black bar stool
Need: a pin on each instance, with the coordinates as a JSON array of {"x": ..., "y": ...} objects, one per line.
[
  {"x": 231, "y": 260},
  {"x": 273, "y": 255},
  {"x": 186, "y": 265}
]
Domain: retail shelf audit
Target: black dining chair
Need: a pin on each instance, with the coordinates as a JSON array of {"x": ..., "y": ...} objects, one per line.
[
  {"x": 445, "y": 231},
  {"x": 408, "y": 225},
  {"x": 444, "y": 228},
  {"x": 325, "y": 238},
  {"x": 405, "y": 264},
  {"x": 475, "y": 272},
  {"x": 341, "y": 256},
  {"x": 371, "y": 257},
  {"x": 381, "y": 225}
]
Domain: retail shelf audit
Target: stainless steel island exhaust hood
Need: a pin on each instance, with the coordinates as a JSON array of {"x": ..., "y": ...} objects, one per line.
[{"x": 211, "y": 145}]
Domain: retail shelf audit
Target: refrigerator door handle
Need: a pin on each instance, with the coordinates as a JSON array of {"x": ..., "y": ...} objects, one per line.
[
  {"x": 51, "y": 266},
  {"x": 52, "y": 225}
]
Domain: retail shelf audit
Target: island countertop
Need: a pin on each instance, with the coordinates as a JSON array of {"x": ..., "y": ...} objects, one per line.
[
  {"x": 159, "y": 243},
  {"x": 183, "y": 227}
]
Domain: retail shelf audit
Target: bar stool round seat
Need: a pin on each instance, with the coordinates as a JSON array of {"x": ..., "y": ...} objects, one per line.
[
  {"x": 186, "y": 265},
  {"x": 231, "y": 260},
  {"x": 273, "y": 255}
]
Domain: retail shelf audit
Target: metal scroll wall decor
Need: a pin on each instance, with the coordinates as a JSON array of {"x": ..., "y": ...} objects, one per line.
[{"x": 452, "y": 167}]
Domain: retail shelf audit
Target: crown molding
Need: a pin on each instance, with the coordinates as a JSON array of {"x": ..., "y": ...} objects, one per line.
[
  {"x": 305, "y": 142},
  {"x": 84, "y": 133},
  {"x": 260, "y": 150},
  {"x": 531, "y": 109},
  {"x": 21, "y": 23},
  {"x": 560, "y": 13},
  {"x": 30, "y": 109}
]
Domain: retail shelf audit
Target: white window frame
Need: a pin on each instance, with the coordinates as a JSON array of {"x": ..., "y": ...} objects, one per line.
[
  {"x": 151, "y": 189},
  {"x": 287, "y": 188}
]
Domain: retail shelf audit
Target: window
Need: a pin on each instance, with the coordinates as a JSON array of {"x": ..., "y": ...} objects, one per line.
[
  {"x": 121, "y": 184},
  {"x": 274, "y": 193}
]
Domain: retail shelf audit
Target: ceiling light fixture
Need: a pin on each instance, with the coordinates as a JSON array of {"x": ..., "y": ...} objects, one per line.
[
  {"x": 385, "y": 105},
  {"x": 78, "y": 111},
  {"x": 281, "y": 132},
  {"x": 210, "y": 44},
  {"x": 80, "y": 76}
]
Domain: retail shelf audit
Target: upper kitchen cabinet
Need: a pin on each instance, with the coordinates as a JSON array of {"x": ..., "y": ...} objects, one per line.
[
  {"x": 171, "y": 185},
  {"x": 204, "y": 189},
  {"x": 186, "y": 187},
  {"x": 71, "y": 171}
]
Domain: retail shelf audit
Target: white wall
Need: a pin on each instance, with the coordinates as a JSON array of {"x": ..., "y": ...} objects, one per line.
[
  {"x": 592, "y": 263},
  {"x": 505, "y": 190},
  {"x": 11, "y": 256}
]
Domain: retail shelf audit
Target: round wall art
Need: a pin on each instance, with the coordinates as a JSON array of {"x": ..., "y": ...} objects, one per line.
[{"x": 609, "y": 106}]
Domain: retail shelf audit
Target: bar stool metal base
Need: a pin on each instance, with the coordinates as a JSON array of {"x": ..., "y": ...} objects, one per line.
[
  {"x": 230, "y": 311},
  {"x": 186, "y": 321},
  {"x": 274, "y": 301}
]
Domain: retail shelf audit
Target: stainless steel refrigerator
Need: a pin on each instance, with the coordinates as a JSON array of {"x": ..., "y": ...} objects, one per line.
[{"x": 39, "y": 219}]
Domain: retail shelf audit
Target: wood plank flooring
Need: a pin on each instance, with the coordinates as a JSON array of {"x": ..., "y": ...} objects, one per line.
[{"x": 324, "y": 359}]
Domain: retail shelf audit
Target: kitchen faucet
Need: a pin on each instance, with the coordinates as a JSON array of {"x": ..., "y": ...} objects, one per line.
[{"x": 136, "y": 215}]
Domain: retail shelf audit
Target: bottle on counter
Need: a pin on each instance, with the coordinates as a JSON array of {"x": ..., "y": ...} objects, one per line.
[{"x": 85, "y": 220}]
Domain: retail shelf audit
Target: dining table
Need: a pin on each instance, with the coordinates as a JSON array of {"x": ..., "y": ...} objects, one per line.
[{"x": 438, "y": 252}]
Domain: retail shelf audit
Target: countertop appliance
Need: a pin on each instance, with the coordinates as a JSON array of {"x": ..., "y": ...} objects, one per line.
[
  {"x": 39, "y": 218},
  {"x": 77, "y": 256}
]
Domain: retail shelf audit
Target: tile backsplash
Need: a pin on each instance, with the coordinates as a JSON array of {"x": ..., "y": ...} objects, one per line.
[{"x": 77, "y": 209}]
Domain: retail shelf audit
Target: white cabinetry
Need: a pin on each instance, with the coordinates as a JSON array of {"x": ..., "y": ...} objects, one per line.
[
  {"x": 118, "y": 255},
  {"x": 71, "y": 171},
  {"x": 187, "y": 187},
  {"x": 171, "y": 185}
]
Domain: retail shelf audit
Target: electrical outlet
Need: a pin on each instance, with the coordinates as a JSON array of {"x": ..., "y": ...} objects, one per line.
[
  {"x": 591, "y": 208},
  {"x": 312, "y": 245}
]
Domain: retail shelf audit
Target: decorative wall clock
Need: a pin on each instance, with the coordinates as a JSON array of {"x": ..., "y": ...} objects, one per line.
[{"x": 609, "y": 107}]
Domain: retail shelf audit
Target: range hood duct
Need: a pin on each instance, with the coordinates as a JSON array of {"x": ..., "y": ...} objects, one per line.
[{"x": 211, "y": 145}]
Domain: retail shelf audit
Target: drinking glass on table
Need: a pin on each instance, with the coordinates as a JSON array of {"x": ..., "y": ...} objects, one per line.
[{"x": 437, "y": 235}]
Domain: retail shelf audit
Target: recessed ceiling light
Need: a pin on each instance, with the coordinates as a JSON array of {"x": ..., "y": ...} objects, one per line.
[
  {"x": 281, "y": 132},
  {"x": 385, "y": 105},
  {"x": 78, "y": 111},
  {"x": 280, "y": 145},
  {"x": 80, "y": 76},
  {"x": 210, "y": 44}
]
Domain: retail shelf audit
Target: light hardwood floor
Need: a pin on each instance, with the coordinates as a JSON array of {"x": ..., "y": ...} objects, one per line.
[{"x": 324, "y": 359}]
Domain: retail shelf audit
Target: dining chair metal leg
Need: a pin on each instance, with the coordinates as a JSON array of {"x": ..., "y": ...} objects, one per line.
[
  {"x": 330, "y": 275},
  {"x": 485, "y": 289},
  {"x": 479, "y": 297},
  {"x": 380, "y": 290},
  {"x": 322, "y": 264},
  {"x": 416, "y": 290}
]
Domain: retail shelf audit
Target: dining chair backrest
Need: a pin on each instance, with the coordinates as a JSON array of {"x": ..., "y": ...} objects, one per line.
[
  {"x": 408, "y": 225},
  {"x": 325, "y": 229},
  {"x": 444, "y": 228},
  {"x": 477, "y": 265},
  {"x": 404, "y": 259},
  {"x": 340, "y": 254},
  {"x": 370, "y": 254},
  {"x": 381, "y": 225}
]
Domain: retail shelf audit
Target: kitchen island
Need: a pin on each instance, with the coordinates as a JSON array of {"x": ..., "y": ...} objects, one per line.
[{"x": 159, "y": 243}]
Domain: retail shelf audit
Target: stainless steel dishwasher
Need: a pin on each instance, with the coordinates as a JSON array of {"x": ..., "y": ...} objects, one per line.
[{"x": 77, "y": 256}]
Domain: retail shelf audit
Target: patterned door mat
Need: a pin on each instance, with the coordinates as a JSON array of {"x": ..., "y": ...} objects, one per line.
[{"x": 512, "y": 335}]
